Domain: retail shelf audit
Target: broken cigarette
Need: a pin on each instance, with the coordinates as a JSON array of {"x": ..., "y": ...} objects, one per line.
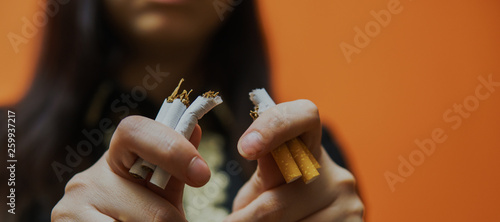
[
  {"x": 302, "y": 157},
  {"x": 147, "y": 166},
  {"x": 141, "y": 167},
  {"x": 283, "y": 158},
  {"x": 306, "y": 166},
  {"x": 307, "y": 151},
  {"x": 185, "y": 126},
  {"x": 171, "y": 119},
  {"x": 137, "y": 171},
  {"x": 200, "y": 106}
]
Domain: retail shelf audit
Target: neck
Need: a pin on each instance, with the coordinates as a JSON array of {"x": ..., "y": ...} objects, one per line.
[{"x": 182, "y": 63}]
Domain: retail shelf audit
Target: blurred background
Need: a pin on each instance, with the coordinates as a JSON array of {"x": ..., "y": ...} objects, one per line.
[{"x": 381, "y": 84}]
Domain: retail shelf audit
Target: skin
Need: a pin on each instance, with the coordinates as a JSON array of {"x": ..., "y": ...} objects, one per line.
[
  {"x": 172, "y": 34},
  {"x": 106, "y": 192}
]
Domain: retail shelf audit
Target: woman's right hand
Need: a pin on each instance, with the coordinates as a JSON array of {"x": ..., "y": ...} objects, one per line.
[{"x": 106, "y": 191}]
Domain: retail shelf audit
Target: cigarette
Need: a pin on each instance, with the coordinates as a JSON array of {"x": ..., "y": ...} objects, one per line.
[
  {"x": 302, "y": 157},
  {"x": 307, "y": 151},
  {"x": 306, "y": 166},
  {"x": 141, "y": 167},
  {"x": 147, "y": 166},
  {"x": 185, "y": 126},
  {"x": 200, "y": 106},
  {"x": 283, "y": 158},
  {"x": 174, "y": 114},
  {"x": 286, "y": 163},
  {"x": 171, "y": 119},
  {"x": 137, "y": 171}
]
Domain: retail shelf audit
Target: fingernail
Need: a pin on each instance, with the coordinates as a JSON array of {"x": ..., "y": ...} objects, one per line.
[
  {"x": 250, "y": 144},
  {"x": 198, "y": 171}
]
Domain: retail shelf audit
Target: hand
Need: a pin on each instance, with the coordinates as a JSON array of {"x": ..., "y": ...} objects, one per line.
[
  {"x": 266, "y": 196},
  {"x": 106, "y": 191}
]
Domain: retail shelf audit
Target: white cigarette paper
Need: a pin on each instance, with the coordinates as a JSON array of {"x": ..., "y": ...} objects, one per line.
[
  {"x": 200, "y": 107},
  {"x": 171, "y": 119},
  {"x": 186, "y": 125},
  {"x": 303, "y": 158},
  {"x": 137, "y": 170},
  {"x": 159, "y": 117},
  {"x": 261, "y": 98},
  {"x": 174, "y": 114},
  {"x": 141, "y": 167}
]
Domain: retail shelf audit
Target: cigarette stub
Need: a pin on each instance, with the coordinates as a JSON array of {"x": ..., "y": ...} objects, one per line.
[
  {"x": 185, "y": 126},
  {"x": 302, "y": 157},
  {"x": 307, "y": 168},
  {"x": 137, "y": 171},
  {"x": 147, "y": 166}
]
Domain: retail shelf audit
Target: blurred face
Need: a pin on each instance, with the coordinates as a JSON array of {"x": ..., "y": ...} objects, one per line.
[{"x": 159, "y": 23}]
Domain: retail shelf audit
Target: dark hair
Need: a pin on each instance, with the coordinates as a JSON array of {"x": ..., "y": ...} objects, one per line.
[{"x": 79, "y": 51}]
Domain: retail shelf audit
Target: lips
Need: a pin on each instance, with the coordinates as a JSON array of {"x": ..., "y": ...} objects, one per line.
[{"x": 168, "y": 1}]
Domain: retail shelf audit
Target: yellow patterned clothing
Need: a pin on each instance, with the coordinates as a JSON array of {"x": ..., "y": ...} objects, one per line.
[{"x": 205, "y": 204}]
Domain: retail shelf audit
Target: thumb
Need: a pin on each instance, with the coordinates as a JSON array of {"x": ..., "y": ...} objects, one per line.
[
  {"x": 174, "y": 190},
  {"x": 196, "y": 136},
  {"x": 266, "y": 177}
]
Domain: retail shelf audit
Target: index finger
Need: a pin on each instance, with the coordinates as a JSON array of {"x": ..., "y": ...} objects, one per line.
[{"x": 279, "y": 124}]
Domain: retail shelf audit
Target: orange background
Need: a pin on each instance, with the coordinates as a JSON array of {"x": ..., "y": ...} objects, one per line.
[{"x": 396, "y": 90}]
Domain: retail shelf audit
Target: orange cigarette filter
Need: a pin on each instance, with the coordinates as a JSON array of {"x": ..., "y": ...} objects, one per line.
[
  {"x": 283, "y": 158},
  {"x": 308, "y": 152},
  {"x": 306, "y": 166},
  {"x": 286, "y": 163},
  {"x": 301, "y": 155}
]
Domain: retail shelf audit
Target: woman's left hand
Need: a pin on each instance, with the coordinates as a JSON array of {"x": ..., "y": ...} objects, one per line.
[{"x": 266, "y": 196}]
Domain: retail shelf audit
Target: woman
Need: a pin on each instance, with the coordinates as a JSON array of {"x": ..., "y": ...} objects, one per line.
[{"x": 97, "y": 52}]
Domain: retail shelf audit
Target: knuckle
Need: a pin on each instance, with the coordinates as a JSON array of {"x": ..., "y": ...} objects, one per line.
[
  {"x": 160, "y": 214},
  {"x": 358, "y": 207},
  {"x": 127, "y": 126},
  {"x": 308, "y": 105},
  {"x": 346, "y": 187},
  {"x": 74, "y": 183},
  {"x": 257, "y": 179},
  {"x": 271, "y": 210},
  {"x": 278, "y": 118},
  {"x": 355, "y": 209},
  {"x": 60, "y": 213},
  {"x": 311, "y": 109},
  {"x": 124, "y": 133},
  {"x": 79, "y": 182},
  {"x": 346, "y": 181},
  {"x": 130, "y": 122}
]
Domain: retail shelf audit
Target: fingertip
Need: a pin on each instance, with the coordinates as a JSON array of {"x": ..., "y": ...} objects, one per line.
[
  {"x": 250, "y": 145},
  {"x": 198, "y": 172}
]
